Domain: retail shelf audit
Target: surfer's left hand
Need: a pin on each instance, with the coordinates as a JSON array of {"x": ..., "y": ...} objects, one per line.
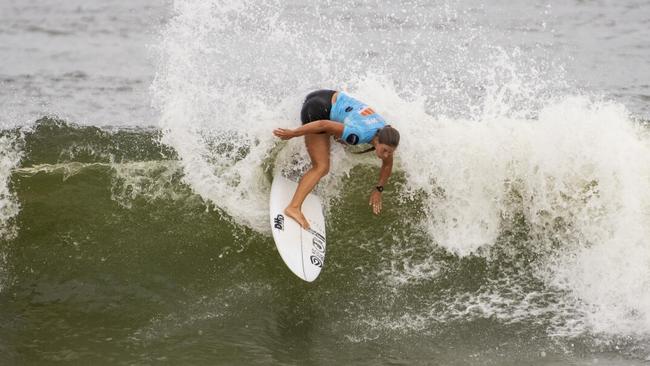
[
  {"x": 375, "y": 202},
  {"x": 284, "y": 133}
]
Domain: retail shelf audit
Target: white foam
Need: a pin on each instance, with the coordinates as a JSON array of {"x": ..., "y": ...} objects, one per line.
[
  {"x": 581, "y": 172},
  {"x": 146, "y": 180},
  {"x": 577, "y": 168},
  {"x": 10, "y": 155}
]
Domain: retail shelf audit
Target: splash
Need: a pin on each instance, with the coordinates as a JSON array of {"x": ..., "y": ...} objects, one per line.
[
  {"x": 10, "y": 155},
  {"x": 489, "y": 134}
]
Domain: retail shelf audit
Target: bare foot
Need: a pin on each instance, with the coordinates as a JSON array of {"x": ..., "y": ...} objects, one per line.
[{"x": 297, "y": 215}]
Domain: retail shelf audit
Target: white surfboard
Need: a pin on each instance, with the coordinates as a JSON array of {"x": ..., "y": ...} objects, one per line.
[{"x": 303, "y": 251}]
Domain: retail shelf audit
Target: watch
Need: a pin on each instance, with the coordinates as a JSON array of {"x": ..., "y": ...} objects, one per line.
[{"x": 380, "y": 188}]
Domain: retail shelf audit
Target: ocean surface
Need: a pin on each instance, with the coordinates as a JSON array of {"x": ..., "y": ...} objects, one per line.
[{"x": 136, "y": 159}]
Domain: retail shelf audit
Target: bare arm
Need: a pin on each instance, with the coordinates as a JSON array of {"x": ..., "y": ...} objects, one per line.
[
  {"x": 384, "y": 174},
  {"x": 322, "y": 126},
  {"x": 386, "y": 170}
]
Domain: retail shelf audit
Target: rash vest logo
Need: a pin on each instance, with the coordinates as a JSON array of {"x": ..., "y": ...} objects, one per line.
[
  {"x": 366, "y": 112},
  {"x": 352, "y": 139}
]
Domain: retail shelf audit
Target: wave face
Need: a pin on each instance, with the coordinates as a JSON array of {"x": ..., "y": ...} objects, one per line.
[
  {"x": 495, "y": 142},
  {"x": 514, "y": 228},
  {"x": 104, "y": 224}
]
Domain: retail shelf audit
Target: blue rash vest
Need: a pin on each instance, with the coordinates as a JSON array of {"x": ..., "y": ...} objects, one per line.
[{"x": 360, "y": 122}]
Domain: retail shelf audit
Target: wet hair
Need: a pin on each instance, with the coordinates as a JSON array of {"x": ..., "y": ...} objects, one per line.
[
  {"x": 386, "y": 135},
  {"x": 389, "y": 136}
]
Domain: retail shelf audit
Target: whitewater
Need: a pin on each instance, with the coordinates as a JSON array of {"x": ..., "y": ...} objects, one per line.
[{"x": 133, "y": 226}]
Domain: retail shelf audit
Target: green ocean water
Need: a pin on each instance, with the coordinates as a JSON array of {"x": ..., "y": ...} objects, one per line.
[
  {"x": 515, "y": 226},
  {"x": 115, "y": 261}
]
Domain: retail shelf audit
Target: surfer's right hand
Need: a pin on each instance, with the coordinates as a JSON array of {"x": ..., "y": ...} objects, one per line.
[{"x": 284, "y": 133}]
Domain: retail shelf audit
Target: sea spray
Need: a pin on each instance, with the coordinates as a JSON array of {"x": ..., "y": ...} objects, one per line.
[
  {"x": 580, "y": 174},
  {"x": 10, "y": 155},
  {"x": 523, "y": 243},
  {"x": 493, "y": 139}
]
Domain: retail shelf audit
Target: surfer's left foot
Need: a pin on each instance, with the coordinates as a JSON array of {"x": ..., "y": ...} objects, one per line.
[{"x": 295, "y": 214}]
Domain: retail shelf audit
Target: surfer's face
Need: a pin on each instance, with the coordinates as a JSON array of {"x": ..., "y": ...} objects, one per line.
[{"x": 384, "y": 151}]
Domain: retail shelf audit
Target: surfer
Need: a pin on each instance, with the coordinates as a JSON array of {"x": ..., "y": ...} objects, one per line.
[{"x": 328, "y": 113}]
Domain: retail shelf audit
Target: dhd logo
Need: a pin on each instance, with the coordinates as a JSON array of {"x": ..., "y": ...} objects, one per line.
[{"x": 278, "y": 222}]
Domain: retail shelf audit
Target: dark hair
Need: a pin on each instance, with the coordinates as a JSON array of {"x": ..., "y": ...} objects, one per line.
[{"x": 386, "y": 135}]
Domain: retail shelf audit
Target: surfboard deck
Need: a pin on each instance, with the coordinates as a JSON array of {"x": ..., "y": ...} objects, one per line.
[{"x": 303, "y": 251}]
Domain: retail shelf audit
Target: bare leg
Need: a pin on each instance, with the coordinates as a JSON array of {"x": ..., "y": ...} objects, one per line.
[{"x": 318, "y": 147}]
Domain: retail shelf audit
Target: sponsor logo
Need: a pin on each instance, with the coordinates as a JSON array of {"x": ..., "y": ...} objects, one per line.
[
  {"x": 318, "y": 245},
  {"x": 317, "y": 257},
  {"x": 352, "y": 139},
  {"x": 315, "y": 261},
  {"x": 316, "y": 234},
  {"x": 366, "y": 112},
  {"x": 348, "y": 109},
  {"x": 370, "y": 121},
  {"x": 278, "y": 222}
]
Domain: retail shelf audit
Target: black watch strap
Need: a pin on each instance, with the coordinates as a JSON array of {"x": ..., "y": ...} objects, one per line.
[{"x": 380, "y": 188}]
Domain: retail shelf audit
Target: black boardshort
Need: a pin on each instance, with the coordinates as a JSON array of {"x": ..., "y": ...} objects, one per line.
[{"x": 317, "y": 106}]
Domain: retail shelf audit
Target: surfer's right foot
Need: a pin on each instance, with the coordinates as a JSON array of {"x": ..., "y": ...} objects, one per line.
[{"x": 297, "y": 215}]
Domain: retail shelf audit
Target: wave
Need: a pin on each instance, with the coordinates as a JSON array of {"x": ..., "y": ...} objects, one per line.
[
  {"x": 495, "y": 142},
  {"x": 10, "y": 155},
  {"x": 514, "y": 200},
  {"x": 554, "y": 260}
]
